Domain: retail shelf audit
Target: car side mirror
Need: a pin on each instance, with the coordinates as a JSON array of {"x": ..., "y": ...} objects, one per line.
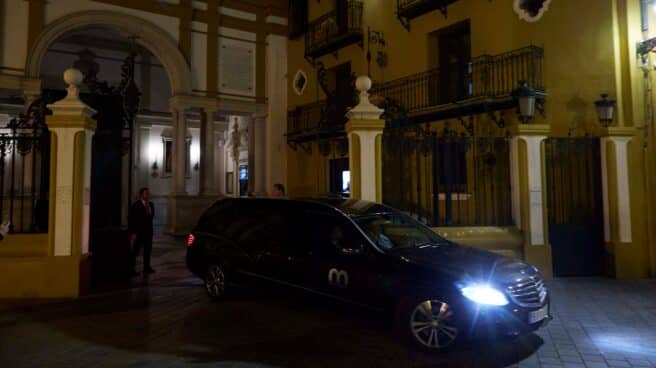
[{"x": 351, "y": 250}]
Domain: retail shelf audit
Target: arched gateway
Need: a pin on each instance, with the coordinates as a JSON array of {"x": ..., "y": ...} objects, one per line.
[
  {"x": 148, "y": 35},
  {"x": 110, "y": 161}
]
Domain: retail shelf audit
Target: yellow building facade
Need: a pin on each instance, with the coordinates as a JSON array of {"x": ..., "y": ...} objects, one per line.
[{"x": 578, "y": 49}]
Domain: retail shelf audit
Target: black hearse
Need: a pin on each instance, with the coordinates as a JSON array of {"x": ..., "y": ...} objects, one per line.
[{"x": 369, "y": 254}]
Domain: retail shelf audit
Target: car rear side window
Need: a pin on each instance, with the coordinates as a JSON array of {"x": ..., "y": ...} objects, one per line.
[
  {"x": 217, "y": 217},
  {"x": 257, "y": 225}
]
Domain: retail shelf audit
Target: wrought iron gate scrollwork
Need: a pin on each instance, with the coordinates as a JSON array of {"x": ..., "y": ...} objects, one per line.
[
  {"x": 444, "y": 175},
  {"x": 25, "y": 168}
]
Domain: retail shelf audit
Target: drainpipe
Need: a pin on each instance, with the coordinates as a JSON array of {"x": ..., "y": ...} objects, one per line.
[{"x": 648, "y": 126}]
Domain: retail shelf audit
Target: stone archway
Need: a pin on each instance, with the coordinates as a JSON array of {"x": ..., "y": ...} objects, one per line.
[{"x": 150, "y": 36}]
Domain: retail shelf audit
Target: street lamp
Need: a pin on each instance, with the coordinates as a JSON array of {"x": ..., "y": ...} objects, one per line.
[
  {"x": 525, "y": 97},
  {"x": 605, "y": 110}
]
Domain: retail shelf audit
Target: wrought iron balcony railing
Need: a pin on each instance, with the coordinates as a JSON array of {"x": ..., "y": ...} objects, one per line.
[
  {"x": 334, "y": 30},
  {"x": 410, "y": 9},
  {"x": 305, "y": 118},
  {"x": 487, "y": 78},
  {"x": 315, "y": 121}
]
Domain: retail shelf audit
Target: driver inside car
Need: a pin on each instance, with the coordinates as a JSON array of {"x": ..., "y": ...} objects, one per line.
[
  {"x": 336, "y": 237},
  {"x": 375, "y": 232}
]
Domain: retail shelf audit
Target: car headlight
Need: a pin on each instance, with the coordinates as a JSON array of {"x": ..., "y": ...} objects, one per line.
[{"x": 484, "y": 294}]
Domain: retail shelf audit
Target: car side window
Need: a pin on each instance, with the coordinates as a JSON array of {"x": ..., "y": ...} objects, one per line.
[
  {"x": 329, "y": 233},
  {"x": 265, "y": 230}
]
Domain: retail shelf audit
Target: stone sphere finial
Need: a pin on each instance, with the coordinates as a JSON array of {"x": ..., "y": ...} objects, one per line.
[
  {"x": 364, "y": 109},
  {"x": 73, "y": 77},
  {"x": 363, "y": 83}
]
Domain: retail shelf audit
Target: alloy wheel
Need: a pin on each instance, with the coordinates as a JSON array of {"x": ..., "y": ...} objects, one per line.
[
  {"x": 431, "y": 324},
  {"x": 215, "y": 282}
]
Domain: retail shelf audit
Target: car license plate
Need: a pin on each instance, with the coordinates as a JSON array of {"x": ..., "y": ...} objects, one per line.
[{"x": 538, "y": 315}]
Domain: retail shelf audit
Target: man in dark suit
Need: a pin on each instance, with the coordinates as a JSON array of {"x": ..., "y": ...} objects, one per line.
[{"x": 140, "y": 227}]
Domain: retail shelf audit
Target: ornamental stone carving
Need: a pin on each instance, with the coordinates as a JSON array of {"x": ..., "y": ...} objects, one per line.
[{"x": 531, "y": 10}]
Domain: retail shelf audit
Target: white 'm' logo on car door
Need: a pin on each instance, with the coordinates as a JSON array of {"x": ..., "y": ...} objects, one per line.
[{"x": 338, "y": 278}]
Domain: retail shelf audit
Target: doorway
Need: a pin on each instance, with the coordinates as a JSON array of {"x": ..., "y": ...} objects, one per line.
[
  {"x": 339, "y": 176},
  {"x": 339, "y": 83},
  {"x": 452, "y": 56},
  {"x": 243, "y": 180},
  {"x": 575, "y": 207}
]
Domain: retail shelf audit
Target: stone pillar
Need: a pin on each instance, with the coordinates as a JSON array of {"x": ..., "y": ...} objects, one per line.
[
  {"x": 145, "y": 158},
  {"x": 257, "y": 165},
  {"x": 616, "y": 187},
  {"x": 72, "y": 130},
  {"x": 261, "y": 149},
  {"x": 527, "y": 160},
  {"x": 178, "y": 154},
  {"x": 219, "y": 162},
  {"x": 365, "y": 131},
  {"x": 175, "y": 217},
  {"x": 276, "y": 111},
  {"x": 207, "y": 153},
  {"x": 252, "y": 167}
]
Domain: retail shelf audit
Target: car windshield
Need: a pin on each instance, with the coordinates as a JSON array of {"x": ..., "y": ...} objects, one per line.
[{"x": 394, "y": 231}]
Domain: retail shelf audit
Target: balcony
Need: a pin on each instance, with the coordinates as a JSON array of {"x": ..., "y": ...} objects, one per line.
[
  {"x": 410, "y": 9},
  {"x": 487, "y": 86},
  {"x": 317, "y": 121},
  {"x": 335, "y": 30}
]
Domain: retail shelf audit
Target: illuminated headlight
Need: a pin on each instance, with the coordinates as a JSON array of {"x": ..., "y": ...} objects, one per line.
[{"x": 484, "y": 294}]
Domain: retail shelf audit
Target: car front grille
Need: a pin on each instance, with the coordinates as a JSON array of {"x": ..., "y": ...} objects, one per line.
[{"x": 528, "y": 292}]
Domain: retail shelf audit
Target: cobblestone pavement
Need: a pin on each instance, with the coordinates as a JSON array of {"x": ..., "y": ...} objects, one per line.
[{"x": 167, "y": 321}]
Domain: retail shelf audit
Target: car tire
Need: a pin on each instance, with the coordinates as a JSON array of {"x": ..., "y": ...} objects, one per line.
[
  {"x": 215, "y": 281},
  {"x": 428, "y": 323}
]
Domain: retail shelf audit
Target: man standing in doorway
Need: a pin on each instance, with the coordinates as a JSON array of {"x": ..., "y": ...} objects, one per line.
[{"x": 140, "y": 226}]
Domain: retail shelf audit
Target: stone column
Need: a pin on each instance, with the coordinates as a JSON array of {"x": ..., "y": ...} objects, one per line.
[
  {"x": 527, "y": 160},
  {"x": 72, "y": 130},
  {"x": 178, "y": 154},
  {"x": 276, "y": 111},
  {"x": 145, "y": 158},
  {"x": 365, "y": 130},
  {"x": 260, "y": 154},
  {"x": 175, "y": 211},
  {"x": 219, "y": 162},
  {"x": 252, "y": 149},
  {"x": 257, "y": 165},
  {"x": 616, "y": 187},
  {"x": 207, "y": 153}
]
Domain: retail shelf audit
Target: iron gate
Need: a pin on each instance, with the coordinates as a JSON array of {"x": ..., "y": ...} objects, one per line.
[
  {"x": 447, "y": 177},
  {"x": 575, "y": 207},
  {"x": 25, "y": 169}
]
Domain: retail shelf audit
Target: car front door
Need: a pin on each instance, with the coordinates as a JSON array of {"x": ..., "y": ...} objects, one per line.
[{"x": 341, "y": 262}]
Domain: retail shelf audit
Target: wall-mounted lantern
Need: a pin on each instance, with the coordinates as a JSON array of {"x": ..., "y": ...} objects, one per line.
[
  {"x": 525, "y": 97},
  {"x": 605, "y": 110}
]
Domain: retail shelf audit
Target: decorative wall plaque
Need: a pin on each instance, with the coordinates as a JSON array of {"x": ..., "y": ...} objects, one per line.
[
  {"x": 300, "y": 82},
  {"x": 531, "y": 10},
  {"x": 237, "y": 67}
]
